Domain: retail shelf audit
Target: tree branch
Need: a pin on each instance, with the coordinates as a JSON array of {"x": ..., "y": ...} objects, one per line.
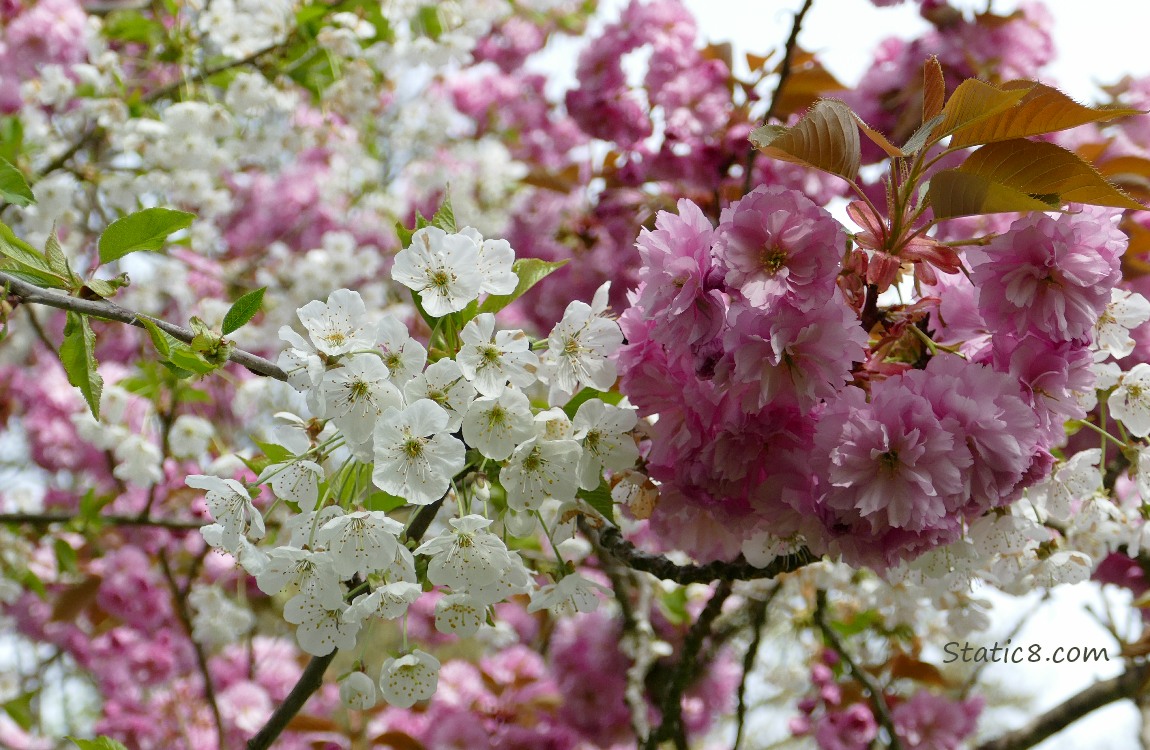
[
  {"x": 309, "y": 682},
  {"x": 179, "y": 601},
  {"x": 1126, "y": 685},
  {"x": 784, "y": 73},
  {"x": 47, "y": 519},
  {"x": 671, "y": 705},
  {"x": 611, "y": 539},
  {"x": 32, "y": 294},
  {"x": 877, "y": 697},
  {"x": 312, "y": 678}
]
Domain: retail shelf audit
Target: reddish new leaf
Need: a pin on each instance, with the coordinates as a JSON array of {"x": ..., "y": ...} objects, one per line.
[{"x": 827, "y": 138}]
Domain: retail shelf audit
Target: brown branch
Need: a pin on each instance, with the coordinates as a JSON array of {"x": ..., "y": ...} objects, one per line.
[
  {"x": 180, "y": 602},
  {"x": 1125, "y": 686},
  {"x": 309, "y": 682},
  {"x": 312, "y": 678},
  {"x": 877, "y": 697},
  {"x": 671, "y": 705},
  {"x": 784, "y": 73},
  {"x": 611, "y": 539},
  {"x": 47, "y": 519},
  {"x": 30, "y": 293},
  {"x": 758, "y": 621}
]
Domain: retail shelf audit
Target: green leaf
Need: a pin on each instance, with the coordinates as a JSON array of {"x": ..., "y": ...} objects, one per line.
[
  {"x": 384, "y": 502},
  {"x": 65, "y": 556},
  {"x": 78, "y": 355},
  {"x": 143, "y": 230},
  {"x": 530, "y": 272},
  {"x": 161, "y": 339},
  {"x": 11, "y": 137},
  {"x": 954, "y": 193},
  {"x": 13, "y": 187},
  {"x": 600, "y": 499},
  {"x": 132, "y": 26},
  {"x": 243, "y": 310},
  {"x": 107, "y": 288},
  {"x": 583, "y": 395},
  {"x": 444, "y": 217},
  {"x": 36, "y": 278},
  {"x": 427, "y": 22},
  {"x": 21, "y": 252},
  {"x": 920, "y": 137},
  {"x": 57, "y": 261},
  {"x": 827, "y": 138},
  {"x": 19, "y": 709},
  {"x": 1047, "y": 172},
  {"x": 277, "y": 454},
  {"x": 1040, "y": 109},
  {"x": 403, "y": 233},
  {"x": 186, "y": 358},
  {"x": 100, "y": 743}
]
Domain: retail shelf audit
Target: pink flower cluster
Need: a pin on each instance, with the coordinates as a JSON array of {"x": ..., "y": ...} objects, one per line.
[
  {"x": 741, "y": 343},
  {"x": 925, "y": 721},
  {"x": 48, "y": 32}
]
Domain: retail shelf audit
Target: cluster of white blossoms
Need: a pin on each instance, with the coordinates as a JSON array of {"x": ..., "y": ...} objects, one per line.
[{"x": 475, "y": 418}]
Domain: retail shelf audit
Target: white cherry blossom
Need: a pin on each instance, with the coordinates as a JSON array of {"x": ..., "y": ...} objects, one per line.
[
  {"x": 339, "y": 326},
  {"x": 602, "y": 430},
  {"x": 361, "y": 543},
  {"x": 308, "y": 572},
  {"x": 231, "y": 507},
  {"x": 1126, "y": 311},
  {"x": 460, "y": 614},
  {"x": 388, "y": 602},
  {"x": 322, "y": 628},
  {"x": 295, "y": 481},
  {"x": 443, "y": 268},
  {"x": 300, "y": 361},
  {"x": 409, "y": 679},
  {"x": 190, "y": 436},
  {"x": 1130, "y": 401},
  {"x": 490, "y": 359},
  {"x": 415, "y": 458},
  {"x": 580, "y": 347},
  {"x": 495, "y": 260},
  {"x": 541, "y": 469},
  {"x": 357, "y": 691},
  {"x": 403, "y": 355},
  {"x": 573, "y": 593},
  {"x": 467, "y": 557},
  {"x": 443, "y": 383},
  {"x": 357, "y": 394},
  {"x": 494, "y": 426}
]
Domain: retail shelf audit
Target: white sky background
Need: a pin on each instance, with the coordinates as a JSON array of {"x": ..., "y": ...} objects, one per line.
[{"x": 1097, "y": 42}]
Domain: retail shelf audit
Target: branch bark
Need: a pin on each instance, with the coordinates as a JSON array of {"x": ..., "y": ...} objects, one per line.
[
  {"x": 312, "y": 678},
  {"x": 611, "y": 539},
  {"x": 1127, "y": 685},
  {"x": 32, "y": 294},
  {"x": 47, "y": 519}
]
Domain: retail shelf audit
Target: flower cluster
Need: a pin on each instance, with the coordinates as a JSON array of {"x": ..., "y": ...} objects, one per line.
[{"x": 424, "y": 427}]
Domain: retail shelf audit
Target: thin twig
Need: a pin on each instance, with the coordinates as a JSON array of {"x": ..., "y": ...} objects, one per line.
[
  {"x": 47, "y": 519},
  {"x": 30, "y": 293},
  {"x": 758, "y": 620},
  {"x": 1127, "y": 685},
  {"x": 180, "y": 601},
  {"x": 877, "y": 698},
  {"x": 784, "y": 74}
]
